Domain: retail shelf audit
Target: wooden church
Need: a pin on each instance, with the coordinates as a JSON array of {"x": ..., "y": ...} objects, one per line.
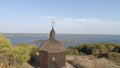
[{"x": 52, "y": 53}]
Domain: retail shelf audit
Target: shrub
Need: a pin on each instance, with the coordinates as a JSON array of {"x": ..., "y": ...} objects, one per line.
[
  {"x": 98, "y": 49},
  {"x": 114, "y": 56},
  {"x": 76, "y": 52},
  {"x": 33, "y": 50},
  {"x": 95, "y": 51},
  {"x": 110, "y": 47},
  {"x": 102, "y": 48},
  {"x": 69, "y": 51},
  {"x": 19, "y": 54},
  {"x": 118, "y": 49},
  {"x": 4, "y": 44}
]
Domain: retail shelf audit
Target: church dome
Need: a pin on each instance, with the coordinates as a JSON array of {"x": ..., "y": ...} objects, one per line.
[{"x": 52, "y": 45}]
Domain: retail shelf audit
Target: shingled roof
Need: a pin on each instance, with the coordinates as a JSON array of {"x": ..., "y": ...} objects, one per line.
[{"x": 52, "y": 45}]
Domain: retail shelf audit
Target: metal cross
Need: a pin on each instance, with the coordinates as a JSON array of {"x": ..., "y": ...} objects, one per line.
[{"x": 53, "y": 22}]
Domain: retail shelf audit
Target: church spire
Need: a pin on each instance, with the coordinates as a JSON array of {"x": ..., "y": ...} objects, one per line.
[{"x": 52, "y": 32}]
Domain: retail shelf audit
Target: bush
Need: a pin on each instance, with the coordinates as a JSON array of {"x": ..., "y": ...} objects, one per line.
[
  {"x": 33, "y": 50},
  {"x": 95, "y": 51},
  {"x": 118, "y": 49},
  {"x": 110, "y": 47},
  {"x": 98, "y": 49},
  {"x": 19, "y": 54},
  {"x": 69, "y": 51},
  {"x": 76, "y": 52},
  {"x": 114, "y": 56},
  {"x": 4, "y": 44},
  {"x": 102, "y": 49}
]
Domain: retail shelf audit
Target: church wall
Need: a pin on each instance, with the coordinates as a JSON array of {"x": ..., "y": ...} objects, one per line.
[
  {"x": 57, "y": 58},
  {"x": 43, "y": 59}
]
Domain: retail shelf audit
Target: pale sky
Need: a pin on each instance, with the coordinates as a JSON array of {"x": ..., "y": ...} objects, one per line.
[{"x": 71, "y": 16}]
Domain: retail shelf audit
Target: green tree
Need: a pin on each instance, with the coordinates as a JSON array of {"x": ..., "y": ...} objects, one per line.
[{"x": 4, "y": 44}]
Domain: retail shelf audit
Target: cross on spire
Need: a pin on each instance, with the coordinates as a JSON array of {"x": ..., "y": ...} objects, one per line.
[
  {"x": 52, "y": 32},
  {"x": 53, "y": 22}
]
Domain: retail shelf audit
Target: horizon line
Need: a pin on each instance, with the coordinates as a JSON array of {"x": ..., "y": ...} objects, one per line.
[{"x": 60, "y": 33}]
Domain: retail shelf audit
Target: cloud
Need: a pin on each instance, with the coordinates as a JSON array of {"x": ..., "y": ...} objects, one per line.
[
  {"x": 84, "y": 25},
  {"x": 85, "y": 21}
]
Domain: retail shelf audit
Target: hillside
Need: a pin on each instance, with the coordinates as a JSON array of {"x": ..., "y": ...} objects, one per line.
[{"x": 91, "y": 62}]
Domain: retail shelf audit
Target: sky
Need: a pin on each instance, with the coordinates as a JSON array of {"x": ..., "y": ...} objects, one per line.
[{"x": 71, "y": 16}]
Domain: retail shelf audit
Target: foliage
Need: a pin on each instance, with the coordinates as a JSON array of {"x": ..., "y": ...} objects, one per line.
[
  {"x": 4, "y": 44},
  {"x": 69, "y": 51},
  {"x": 36, "y": 41},
  {"x": 110, "y": 47},
  {"x": 19, "y": 54},
  {"x": 76, "y": 52},
  {"x": 33, "y": 50},
  {"x": 118, "y": 49},
  {"x": 97, "y": 49},
  {"x": 15, "y": 56},
  {"x": 95, "y": 52},
  {"x": 114, "y": 56}
]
